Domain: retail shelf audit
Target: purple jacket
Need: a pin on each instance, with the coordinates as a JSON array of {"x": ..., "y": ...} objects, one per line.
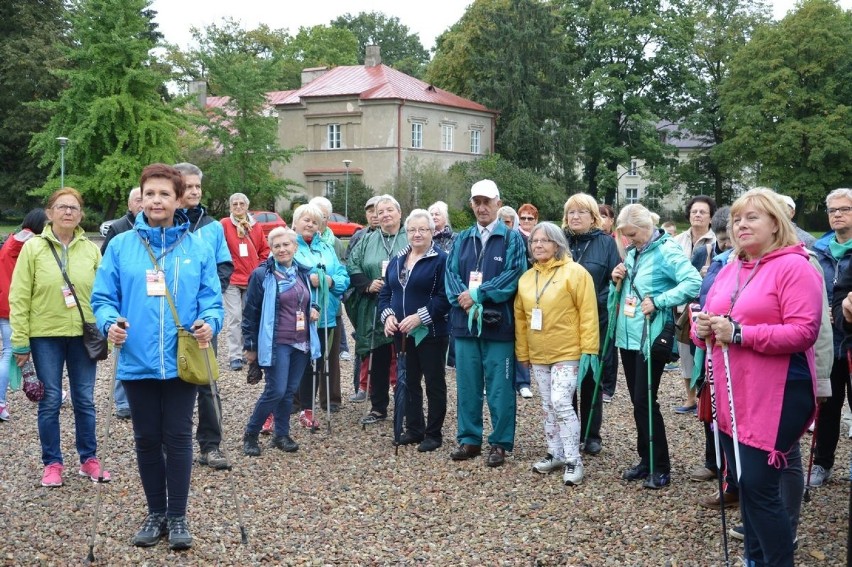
[{"x": 779, "y": 310}]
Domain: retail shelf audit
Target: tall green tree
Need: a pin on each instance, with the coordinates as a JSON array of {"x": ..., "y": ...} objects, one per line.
[
  {"x": 512, "y": 55},
  {"x": 722, "y": 29},
  {"x": 628, "y": 60},
  {"x": 401, "y": 49},
  {"x": 789, "y": 103},
  {"x": 31, "y": 35},
  {"x": 318, "y": 46},
  {"x": 112, "y": 111},
  {"x": 241, "y": 132}
]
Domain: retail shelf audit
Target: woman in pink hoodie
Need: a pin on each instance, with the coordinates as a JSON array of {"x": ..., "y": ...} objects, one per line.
[{"x": 764, "y": 308}]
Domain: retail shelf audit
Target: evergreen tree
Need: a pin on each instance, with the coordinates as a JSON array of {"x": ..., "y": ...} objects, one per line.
[{"x": 400, "y": 49}]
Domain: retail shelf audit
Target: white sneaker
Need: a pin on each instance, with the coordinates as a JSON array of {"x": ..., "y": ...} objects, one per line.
[
  {"x": 548, "y": 464},
  {"x": 525, "y": 392},
  {"x": 64, "y": 397},
  {"x": 345, "y": 356},
  {"x": 573, "y": 474},
  {"x": 4, "y": 412},
  {"x": 819, "y": 476}
]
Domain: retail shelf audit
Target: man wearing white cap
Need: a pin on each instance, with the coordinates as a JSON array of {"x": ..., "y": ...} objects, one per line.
[
  {"x": 482, "y": 275},
  {"x": 805, "y": 237}
]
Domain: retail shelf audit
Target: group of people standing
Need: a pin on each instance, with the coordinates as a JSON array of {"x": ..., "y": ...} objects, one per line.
[{"x": 508, "y": 299}]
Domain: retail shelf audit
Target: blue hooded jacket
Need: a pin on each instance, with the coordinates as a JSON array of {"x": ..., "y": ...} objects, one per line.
[{"x": 120, "y": 290}]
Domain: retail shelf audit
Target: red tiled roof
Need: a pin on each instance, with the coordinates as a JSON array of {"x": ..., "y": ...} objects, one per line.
[
  {"x": 377, "y": 83},
  {"x": 272, "y": 98}
]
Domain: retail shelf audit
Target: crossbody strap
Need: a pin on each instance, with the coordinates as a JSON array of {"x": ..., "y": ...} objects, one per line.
[
  {"x": 67, "y": 281},
  {"x": 157, "y": 267}
]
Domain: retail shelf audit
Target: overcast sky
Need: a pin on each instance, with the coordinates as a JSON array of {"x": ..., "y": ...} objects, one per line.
[{"x": 428, "y": 19}]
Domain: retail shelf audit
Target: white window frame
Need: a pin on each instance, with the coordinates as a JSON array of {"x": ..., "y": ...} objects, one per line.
[
  {"x": 417, "y": 135},
  {"x": 476, "y": 141},
  {"x": 631, "y": 195},
  {"x": 330, "y": 188},
  {"x": 633, "y": 168},
  {"x": 334, "y": 137},
  {"x": 447, "y": 137}
]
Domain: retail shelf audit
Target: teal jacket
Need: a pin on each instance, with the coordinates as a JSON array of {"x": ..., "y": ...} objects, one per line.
[
  {"x": 662, "y": 272},
  {"x": 312, "y": 256}
]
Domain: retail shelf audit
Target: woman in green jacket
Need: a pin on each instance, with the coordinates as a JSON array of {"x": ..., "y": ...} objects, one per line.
[
  {"x": 656, "y": 276},
  {"x": 46, "y": 325}
]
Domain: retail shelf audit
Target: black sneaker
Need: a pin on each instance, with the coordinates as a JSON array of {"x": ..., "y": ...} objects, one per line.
[
  {"x": 657, "y": 481},
  {"x": 153, "y": 528},
  {"x": 250, "y": 445},
  {"x": 636, "y": 472},
  {"x": 179, "y": 536},
  {"x": 285, "y": 443}
]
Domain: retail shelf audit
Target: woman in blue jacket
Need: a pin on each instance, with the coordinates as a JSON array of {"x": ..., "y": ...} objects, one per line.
[
  {"x": 279, "y": 332},
  {"x": 656, "y": 277},
  {"x": 128, "y": 284},
  {"x": 413, "y": 302}
]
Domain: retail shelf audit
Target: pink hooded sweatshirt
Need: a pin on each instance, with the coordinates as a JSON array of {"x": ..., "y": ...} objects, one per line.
[{"x": 780, "y": 309}]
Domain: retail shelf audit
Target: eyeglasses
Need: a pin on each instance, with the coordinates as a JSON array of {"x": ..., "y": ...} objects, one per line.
[
  {"x": 238, "y": 204},
  {"x": 537, "y": 241},
  {"x": 841, "y": 210},
  {"x": 527, "y": 218},
  {"x": 418, "y": 231},
  {"x": 699, "y": 213},
  {"x": 66, "y": 209},
  {"x": 577, "y": 213}
]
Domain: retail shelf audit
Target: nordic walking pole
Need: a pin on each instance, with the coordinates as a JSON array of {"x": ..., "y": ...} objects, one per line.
[
  {"x": 324, "y": 283},
  {"x": 214, "y": 389},
  {"x": 717, "y": 445},
  {"x": 731, "y": 405},
  {"x": 807, "y": 496},
  {"x": 849, "y": 521},
  {"x": 370, "y": 362},
  {"x": 649, "y": 482},
  {"x": 610, "y": 330},
  {"x": 122, "y": 323}
]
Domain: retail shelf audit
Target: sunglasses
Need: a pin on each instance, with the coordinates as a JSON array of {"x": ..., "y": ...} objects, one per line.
[{"x": 527, "y": 218}]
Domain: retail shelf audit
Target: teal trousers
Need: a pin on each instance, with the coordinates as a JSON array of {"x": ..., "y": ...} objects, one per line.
[{"x": 489, "y": 366}]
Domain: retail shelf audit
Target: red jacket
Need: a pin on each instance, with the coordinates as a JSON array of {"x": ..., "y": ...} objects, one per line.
[
  {"x": 8, "y": 258},
  {"x": 250, "y": 255}
]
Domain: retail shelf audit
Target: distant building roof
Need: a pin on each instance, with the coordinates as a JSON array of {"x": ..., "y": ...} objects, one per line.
[
  {"x": 379, "y": 82},
  {"x": 272, "y": 98}
]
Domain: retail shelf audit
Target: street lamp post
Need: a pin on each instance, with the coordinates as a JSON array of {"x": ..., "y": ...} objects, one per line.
[
  {"x": 347, "y": 163},
  {"x": 62, "y": 143}
]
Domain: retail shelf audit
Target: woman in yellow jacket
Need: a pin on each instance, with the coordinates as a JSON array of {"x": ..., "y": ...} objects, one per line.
[{"x": 556, "y": 332}]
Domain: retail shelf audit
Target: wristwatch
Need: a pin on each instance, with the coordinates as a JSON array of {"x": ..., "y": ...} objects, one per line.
[{"x": 737, "y": 335}]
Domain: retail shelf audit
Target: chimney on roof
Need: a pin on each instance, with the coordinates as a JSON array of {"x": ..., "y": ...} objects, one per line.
[
  {"x": 373, "y": 56},
  {"x": 199, "y": 88},
  {"x": 312, "y": 73}
]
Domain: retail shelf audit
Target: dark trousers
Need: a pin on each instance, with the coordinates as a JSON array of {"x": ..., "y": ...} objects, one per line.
[
  {"x": 828, "y": 421},
  {"x": 426, "y": 363},
  {"x": 636, "y": 373},
  {"x": 161, "y": 411},
  {"x": 207, "y": 433},
  {"x": 609, "y": 378},
  {"x": 587, "y": 390},
  {"x": 766, "y": 520},
  {"x": 380, "y": 378},
  {"x": 314, "y": 374}
]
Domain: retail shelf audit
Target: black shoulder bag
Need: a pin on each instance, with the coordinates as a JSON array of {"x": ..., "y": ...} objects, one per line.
[{"x": 93, "y": 340}]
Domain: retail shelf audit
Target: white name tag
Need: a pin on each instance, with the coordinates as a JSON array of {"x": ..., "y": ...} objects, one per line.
[
  {"x": 475, "y": 280},
  {"x": 243, "y": 249},
  {"x": 535, "y": 322},
  {"x": 155, "y": 282}
]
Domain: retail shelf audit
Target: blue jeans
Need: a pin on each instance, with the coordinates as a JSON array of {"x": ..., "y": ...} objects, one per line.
[
  {"x": 50, "y": 355},
  {"x": 5, "y": 357},
  {"x": 120, "y": 396},
  {"x": 282, "y": 381}
]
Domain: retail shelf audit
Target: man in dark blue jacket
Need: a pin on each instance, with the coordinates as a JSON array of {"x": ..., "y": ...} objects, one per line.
[{"x": 482, "y": 275}]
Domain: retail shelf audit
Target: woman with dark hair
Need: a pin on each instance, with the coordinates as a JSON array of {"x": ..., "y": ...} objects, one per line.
[
  {"x": 33, "y": 225},
  {"x": 698, "y": 244},
  {"x": 160, "y": 259},
  {"x": 47, "y": 325}
]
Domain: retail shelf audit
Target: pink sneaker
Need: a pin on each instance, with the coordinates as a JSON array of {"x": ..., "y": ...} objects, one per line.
[
  {"x": 306, "y": 419},
  {"x": 4, "y": 412},
  {"x": 52, "y": 475},
  {"x": 92, "y": 469},
  {"x": 268, "y": 425}
]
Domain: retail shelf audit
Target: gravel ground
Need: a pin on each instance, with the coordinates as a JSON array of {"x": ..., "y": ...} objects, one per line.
[{"x": 345, "y": 498}]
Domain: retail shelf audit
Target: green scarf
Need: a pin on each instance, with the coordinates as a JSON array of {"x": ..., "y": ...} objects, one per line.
[{"x": 837, "y": 249}]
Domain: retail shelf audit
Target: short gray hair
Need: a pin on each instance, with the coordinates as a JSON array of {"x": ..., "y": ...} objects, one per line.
[
  {"x": 507, "y": 211},
  {"x": 237, "y": 196},
  {"x": 189, "y": 169},
  {"x": 840, "y": 193},
  {"x": 553, "y": 233},
  {"x": 308, "y": 209},
  {"x": 420, "y": 214},
  {"x": 442, "y": 208},
  {"x": 281, "y": 231},
  {"x": 390, "y": 199},
  {"x": 323, "y": 204}
]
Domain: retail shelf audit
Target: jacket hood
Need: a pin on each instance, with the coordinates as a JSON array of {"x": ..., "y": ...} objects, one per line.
[
  {"x": 552, "y": 264},
  {"x": 158, "y": 236},
  {"x": 583, "y": 236},
  {"x": 797, "y": 249},
  {"x": 47, "y": 233}
]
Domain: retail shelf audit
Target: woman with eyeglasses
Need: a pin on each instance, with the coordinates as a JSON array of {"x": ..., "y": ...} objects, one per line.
[
  {"x": 528, "y": 218},
  {"x": 596, "y": 251},
  {"x": 413, "y": 307},
  {"x": 556, "y": 332},
  {"x": 46, "y": 325}
]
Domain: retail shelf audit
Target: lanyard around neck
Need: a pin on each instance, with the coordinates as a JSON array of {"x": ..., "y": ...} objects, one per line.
[
  {"x": 738, "y": 290},
  {"x": 538, "y": 293}
]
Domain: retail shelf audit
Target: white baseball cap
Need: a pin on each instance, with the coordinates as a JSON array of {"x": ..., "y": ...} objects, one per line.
[{"x": 485, "y": 188}]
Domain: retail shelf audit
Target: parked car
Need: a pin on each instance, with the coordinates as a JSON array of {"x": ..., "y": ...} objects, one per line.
[
  {"x": 341, "y": 226},
  {"x": 267, "y": 221}
]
